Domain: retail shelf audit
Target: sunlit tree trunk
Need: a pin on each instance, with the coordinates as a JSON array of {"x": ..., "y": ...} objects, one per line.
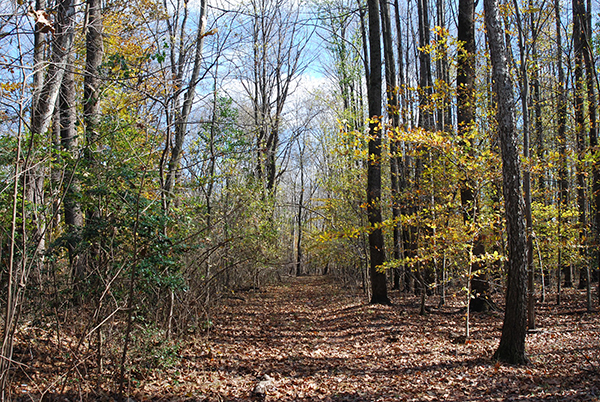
[
  {"x": 514, "y": 329},
  {"x": 443, "y": 74},
  {"x": 523, "y": 38}
]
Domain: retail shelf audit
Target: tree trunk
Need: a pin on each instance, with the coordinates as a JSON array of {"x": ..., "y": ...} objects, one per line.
[
  {"x": 562, "y": 147},
  {"x": 376, "y": 246},
  {"x": 425, "y": 80},
  {"x": 72, "y": 187},
  {"x": 443, "y": 74},
  {"x": 91, "y": 82},
  {"x": 42, "y": 112},
  {"x": 300, "y": 207},
  {"x": 393, "y": 109},
  {"x": 593, "y": 132},
  {"x": 579, "y": 48},
  {"x": 512, "y": 343},
  {"x": 465, "y": 106},
  {"x": 524, "y": 57}
]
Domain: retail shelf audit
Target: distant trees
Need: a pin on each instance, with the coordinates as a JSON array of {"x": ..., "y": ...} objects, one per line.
[{"x": 158, "y": 157}]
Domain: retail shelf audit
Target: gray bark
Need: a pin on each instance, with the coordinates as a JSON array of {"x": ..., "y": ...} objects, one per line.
[{"x": 514, "y": 329}]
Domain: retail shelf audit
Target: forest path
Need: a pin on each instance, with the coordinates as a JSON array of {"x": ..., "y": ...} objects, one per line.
[{"x": 321, "y": 342}]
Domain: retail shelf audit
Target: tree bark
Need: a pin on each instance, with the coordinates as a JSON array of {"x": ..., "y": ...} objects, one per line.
[
  {"x": 591, "y": 80},
  {"x": 562, "y": 147},
  {"x": 72, "y": 186},
  {"x": 579, "y": 99},
  {"x": 393, "y": 109},
  {"x": 524, "y": 57},
  {"x": 514, "y": 329},
  {"x": 91, "y": 81},
  {"x": 376, "y": 245},
  {"x": 465, "y": 111}
]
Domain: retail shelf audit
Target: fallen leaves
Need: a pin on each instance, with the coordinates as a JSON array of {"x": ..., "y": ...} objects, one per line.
[{"x": 316, "y": 342}]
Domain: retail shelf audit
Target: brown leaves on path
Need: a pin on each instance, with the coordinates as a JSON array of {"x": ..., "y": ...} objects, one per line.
[
  {"x": 308, "y": 339},
  {"x": 322, "y": 343}
]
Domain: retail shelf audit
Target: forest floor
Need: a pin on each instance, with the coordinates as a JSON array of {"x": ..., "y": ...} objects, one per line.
[{"x": 320, "y": 342}]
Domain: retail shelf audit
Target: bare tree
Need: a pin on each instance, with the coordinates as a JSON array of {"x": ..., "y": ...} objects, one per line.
[
  {"x": 278, "y": 42},
  {"x": 184, "y": 92}
]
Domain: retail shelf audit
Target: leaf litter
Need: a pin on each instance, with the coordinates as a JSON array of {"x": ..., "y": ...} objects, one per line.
[{"x": 317, "y": 341}]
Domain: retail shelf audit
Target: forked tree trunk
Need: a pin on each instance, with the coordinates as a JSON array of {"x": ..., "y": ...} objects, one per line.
[{"x": 182, "y": 111}]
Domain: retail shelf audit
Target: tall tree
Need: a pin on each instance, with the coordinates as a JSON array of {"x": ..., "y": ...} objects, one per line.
[
  {"x": 393, "y": 109},
  {"x": 591, "y": 83},
  {"x": 72, "y": 187},
  {"x": 579, "y": 99},
  {"x": 398, "y": 163},
  {"x": 278, "y": 43},
  {"x": 94, "y": 51},
  {"x": 465, "y": 111},
  {"x": 514, "y": 329},
  {"x": 561, "y": 136},
  {"x": 376, "y": 245},
  {"x": 426, "y": 122},
  {"x": 184, "y": 93},
  {"x": 523, "y": 38},
  {"x": 42, "y": 111}
]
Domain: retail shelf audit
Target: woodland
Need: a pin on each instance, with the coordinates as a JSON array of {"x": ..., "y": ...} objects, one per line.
[{"x": 208, "y": 200}]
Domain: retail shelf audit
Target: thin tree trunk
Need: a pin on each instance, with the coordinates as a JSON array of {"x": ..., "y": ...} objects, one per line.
[
  {"x": 299, "y": 217},
  {"x": 579, "y": 47},
  {"x": 400, "y": 164},
  {"x": 393, "y": 109},
  {"x": 593, "y": 132},
  {"x": 562, "y": 147}
]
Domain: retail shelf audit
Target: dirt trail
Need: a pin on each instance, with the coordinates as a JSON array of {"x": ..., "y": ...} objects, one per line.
[{"x": 320, "y": 342}]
